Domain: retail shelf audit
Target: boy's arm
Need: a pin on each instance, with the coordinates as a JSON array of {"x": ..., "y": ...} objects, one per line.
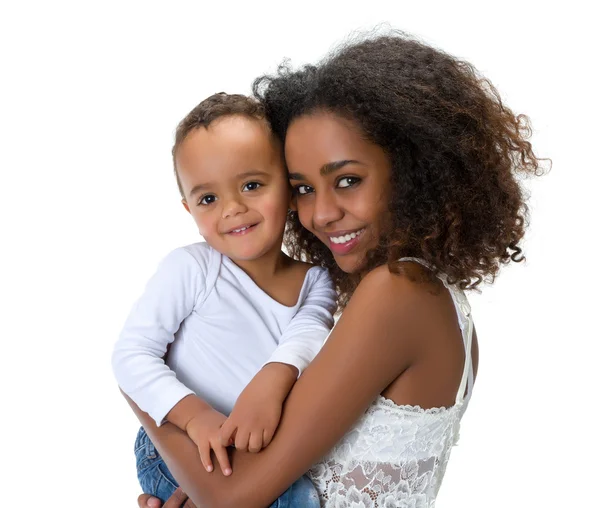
[
  {"x": 305, "y": 334},
  {"x": 202, "y": 424},
  {"x": 137, "y": 360},
  {"x": 171, "y": 295},
  {"x": 182, "y": 413},
  {"x": 257, "y": 411}
]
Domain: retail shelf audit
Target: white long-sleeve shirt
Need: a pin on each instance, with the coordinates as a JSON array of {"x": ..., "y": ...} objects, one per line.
[{"x": 223, "y": 327}]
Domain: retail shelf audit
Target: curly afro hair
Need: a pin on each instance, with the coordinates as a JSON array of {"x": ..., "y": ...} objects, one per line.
[{"x": 456, "y": 151}]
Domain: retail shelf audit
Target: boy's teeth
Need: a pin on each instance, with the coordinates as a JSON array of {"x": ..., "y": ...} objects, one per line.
[
  {"x": 346, "y": 238},
  {"x": 241, "y": 229}
]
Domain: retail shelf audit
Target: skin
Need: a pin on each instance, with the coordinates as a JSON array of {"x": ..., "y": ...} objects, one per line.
[{"x": 397, "y": 337}]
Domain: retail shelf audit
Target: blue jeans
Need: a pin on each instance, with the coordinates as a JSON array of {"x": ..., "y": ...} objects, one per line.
[{"x": 156, "y": 479}]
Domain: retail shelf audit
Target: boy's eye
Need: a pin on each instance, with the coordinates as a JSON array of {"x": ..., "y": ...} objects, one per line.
[
  {"x": 347, "y": 181},
  {"x": 209, "y": 199},
  {"x": 250, "y": 186},
  {"x": 302, "y": 190}
]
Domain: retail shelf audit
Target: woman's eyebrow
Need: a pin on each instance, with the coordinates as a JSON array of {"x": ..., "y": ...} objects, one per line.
[
  {"x": 331, "y": 167},
  {"x": 326, "y": 169}
]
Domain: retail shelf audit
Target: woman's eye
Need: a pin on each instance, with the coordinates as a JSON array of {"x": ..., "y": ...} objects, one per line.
[
  {"x": 348, "y": 181},
  {"x": 302, "y": 190},
  {"x": 209, "y": 199},
  {"x": 250, "y": 186}
]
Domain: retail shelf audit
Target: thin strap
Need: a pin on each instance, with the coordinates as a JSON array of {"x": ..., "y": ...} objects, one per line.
[
  {"x": 463, "y": 310},
  {"x": 467, "y": 377},
  {"x": 417, "y": 260}
]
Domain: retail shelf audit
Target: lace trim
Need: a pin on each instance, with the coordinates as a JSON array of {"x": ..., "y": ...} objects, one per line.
[
  {"x": 394, "y": 457},
  {"x": 389, "y": 403}
]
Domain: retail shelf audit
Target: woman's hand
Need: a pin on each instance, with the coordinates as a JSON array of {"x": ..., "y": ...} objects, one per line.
[{"x": 178, "y": 500}]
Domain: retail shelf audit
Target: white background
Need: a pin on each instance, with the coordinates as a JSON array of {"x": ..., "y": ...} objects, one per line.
[{"x": 90, "y": 97}]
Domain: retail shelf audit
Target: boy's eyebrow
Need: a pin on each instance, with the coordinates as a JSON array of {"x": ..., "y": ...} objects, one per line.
[
  {"x": 326, "y": 169},
  {"x": 252, "y": 172},
  {"x": 198, "y": 188}
]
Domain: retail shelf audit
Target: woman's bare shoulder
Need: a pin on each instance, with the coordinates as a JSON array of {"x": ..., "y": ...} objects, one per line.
[
  {"x": 395, "y": 292},
  {"x": 399, "y": 308},
  {"x": 385, "y": 312},
  {"x": 419, "y": 314}
]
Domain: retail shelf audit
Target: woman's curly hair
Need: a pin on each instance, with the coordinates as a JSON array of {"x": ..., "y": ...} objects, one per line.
[{"x": 456, "y": 151}]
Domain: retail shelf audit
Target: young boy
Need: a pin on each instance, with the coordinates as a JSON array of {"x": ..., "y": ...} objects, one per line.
[{"x": 243, "y": 318}]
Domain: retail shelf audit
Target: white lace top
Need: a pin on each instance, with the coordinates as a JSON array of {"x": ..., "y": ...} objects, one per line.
[{"x": 395, "y": 456}]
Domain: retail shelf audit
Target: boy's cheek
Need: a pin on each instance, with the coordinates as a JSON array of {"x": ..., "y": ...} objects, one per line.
[
  {"x": 276, "y": 207},
  {"x": 206, "y": 227}
]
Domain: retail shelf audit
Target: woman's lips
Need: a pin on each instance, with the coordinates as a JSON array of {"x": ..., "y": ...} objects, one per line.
[{"x": 344, "y": 241}]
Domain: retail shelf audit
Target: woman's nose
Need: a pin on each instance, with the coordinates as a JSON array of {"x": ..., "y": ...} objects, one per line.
[{"x": 326, "y": 210}]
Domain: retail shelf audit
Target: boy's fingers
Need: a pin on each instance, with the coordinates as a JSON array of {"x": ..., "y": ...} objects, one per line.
[
  {"x": 227, "y": 430},
  {"x": 241, "y": 440},
  {"x": 223, "y": 458},
  {"x": 256, "y": 442},
  {"x": 267, "y": 438},
  {"x": 204, "y": 450}
]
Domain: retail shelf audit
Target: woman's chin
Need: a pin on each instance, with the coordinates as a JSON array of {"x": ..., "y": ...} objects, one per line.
[{"x": 350, "y": 263}]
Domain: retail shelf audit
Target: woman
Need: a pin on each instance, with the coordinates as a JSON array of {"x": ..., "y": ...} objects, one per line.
[{"x": 404, "y": 164}]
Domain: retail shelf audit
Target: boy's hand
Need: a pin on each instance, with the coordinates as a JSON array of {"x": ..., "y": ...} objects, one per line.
[
  {"x": 256, "y": 414},
  {"x": 205, "y": 430},
  {"x": 252, "y": 422},
  {"x": 203, "y": 425}
]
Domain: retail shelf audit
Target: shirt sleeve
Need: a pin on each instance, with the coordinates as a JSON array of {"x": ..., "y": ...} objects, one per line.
[
  {"x": 137, "y": 361},
  {"x": 305, "y": 334}
]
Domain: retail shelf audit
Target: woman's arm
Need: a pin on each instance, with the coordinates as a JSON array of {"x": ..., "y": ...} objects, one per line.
[{"x": 371, "y": 345}]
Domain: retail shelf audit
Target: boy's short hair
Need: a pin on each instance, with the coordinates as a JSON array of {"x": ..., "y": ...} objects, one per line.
[{"x": 216, "y": 106}]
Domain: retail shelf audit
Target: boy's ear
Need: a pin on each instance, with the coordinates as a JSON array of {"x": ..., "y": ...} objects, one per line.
[{"x": 185, "y": 205}]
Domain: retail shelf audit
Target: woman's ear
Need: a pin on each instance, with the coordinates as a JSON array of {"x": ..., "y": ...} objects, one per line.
[{"x": 185, "y": 205}]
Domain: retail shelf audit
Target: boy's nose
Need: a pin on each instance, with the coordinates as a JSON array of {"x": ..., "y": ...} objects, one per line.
[{"x": 233, "y": 207}]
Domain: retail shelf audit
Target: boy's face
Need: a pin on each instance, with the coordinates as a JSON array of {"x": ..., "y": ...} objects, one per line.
[{"x": 235, "y": 186}]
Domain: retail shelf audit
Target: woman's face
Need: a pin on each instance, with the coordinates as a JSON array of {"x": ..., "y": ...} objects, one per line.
[{"x": 341, "y": 185}]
